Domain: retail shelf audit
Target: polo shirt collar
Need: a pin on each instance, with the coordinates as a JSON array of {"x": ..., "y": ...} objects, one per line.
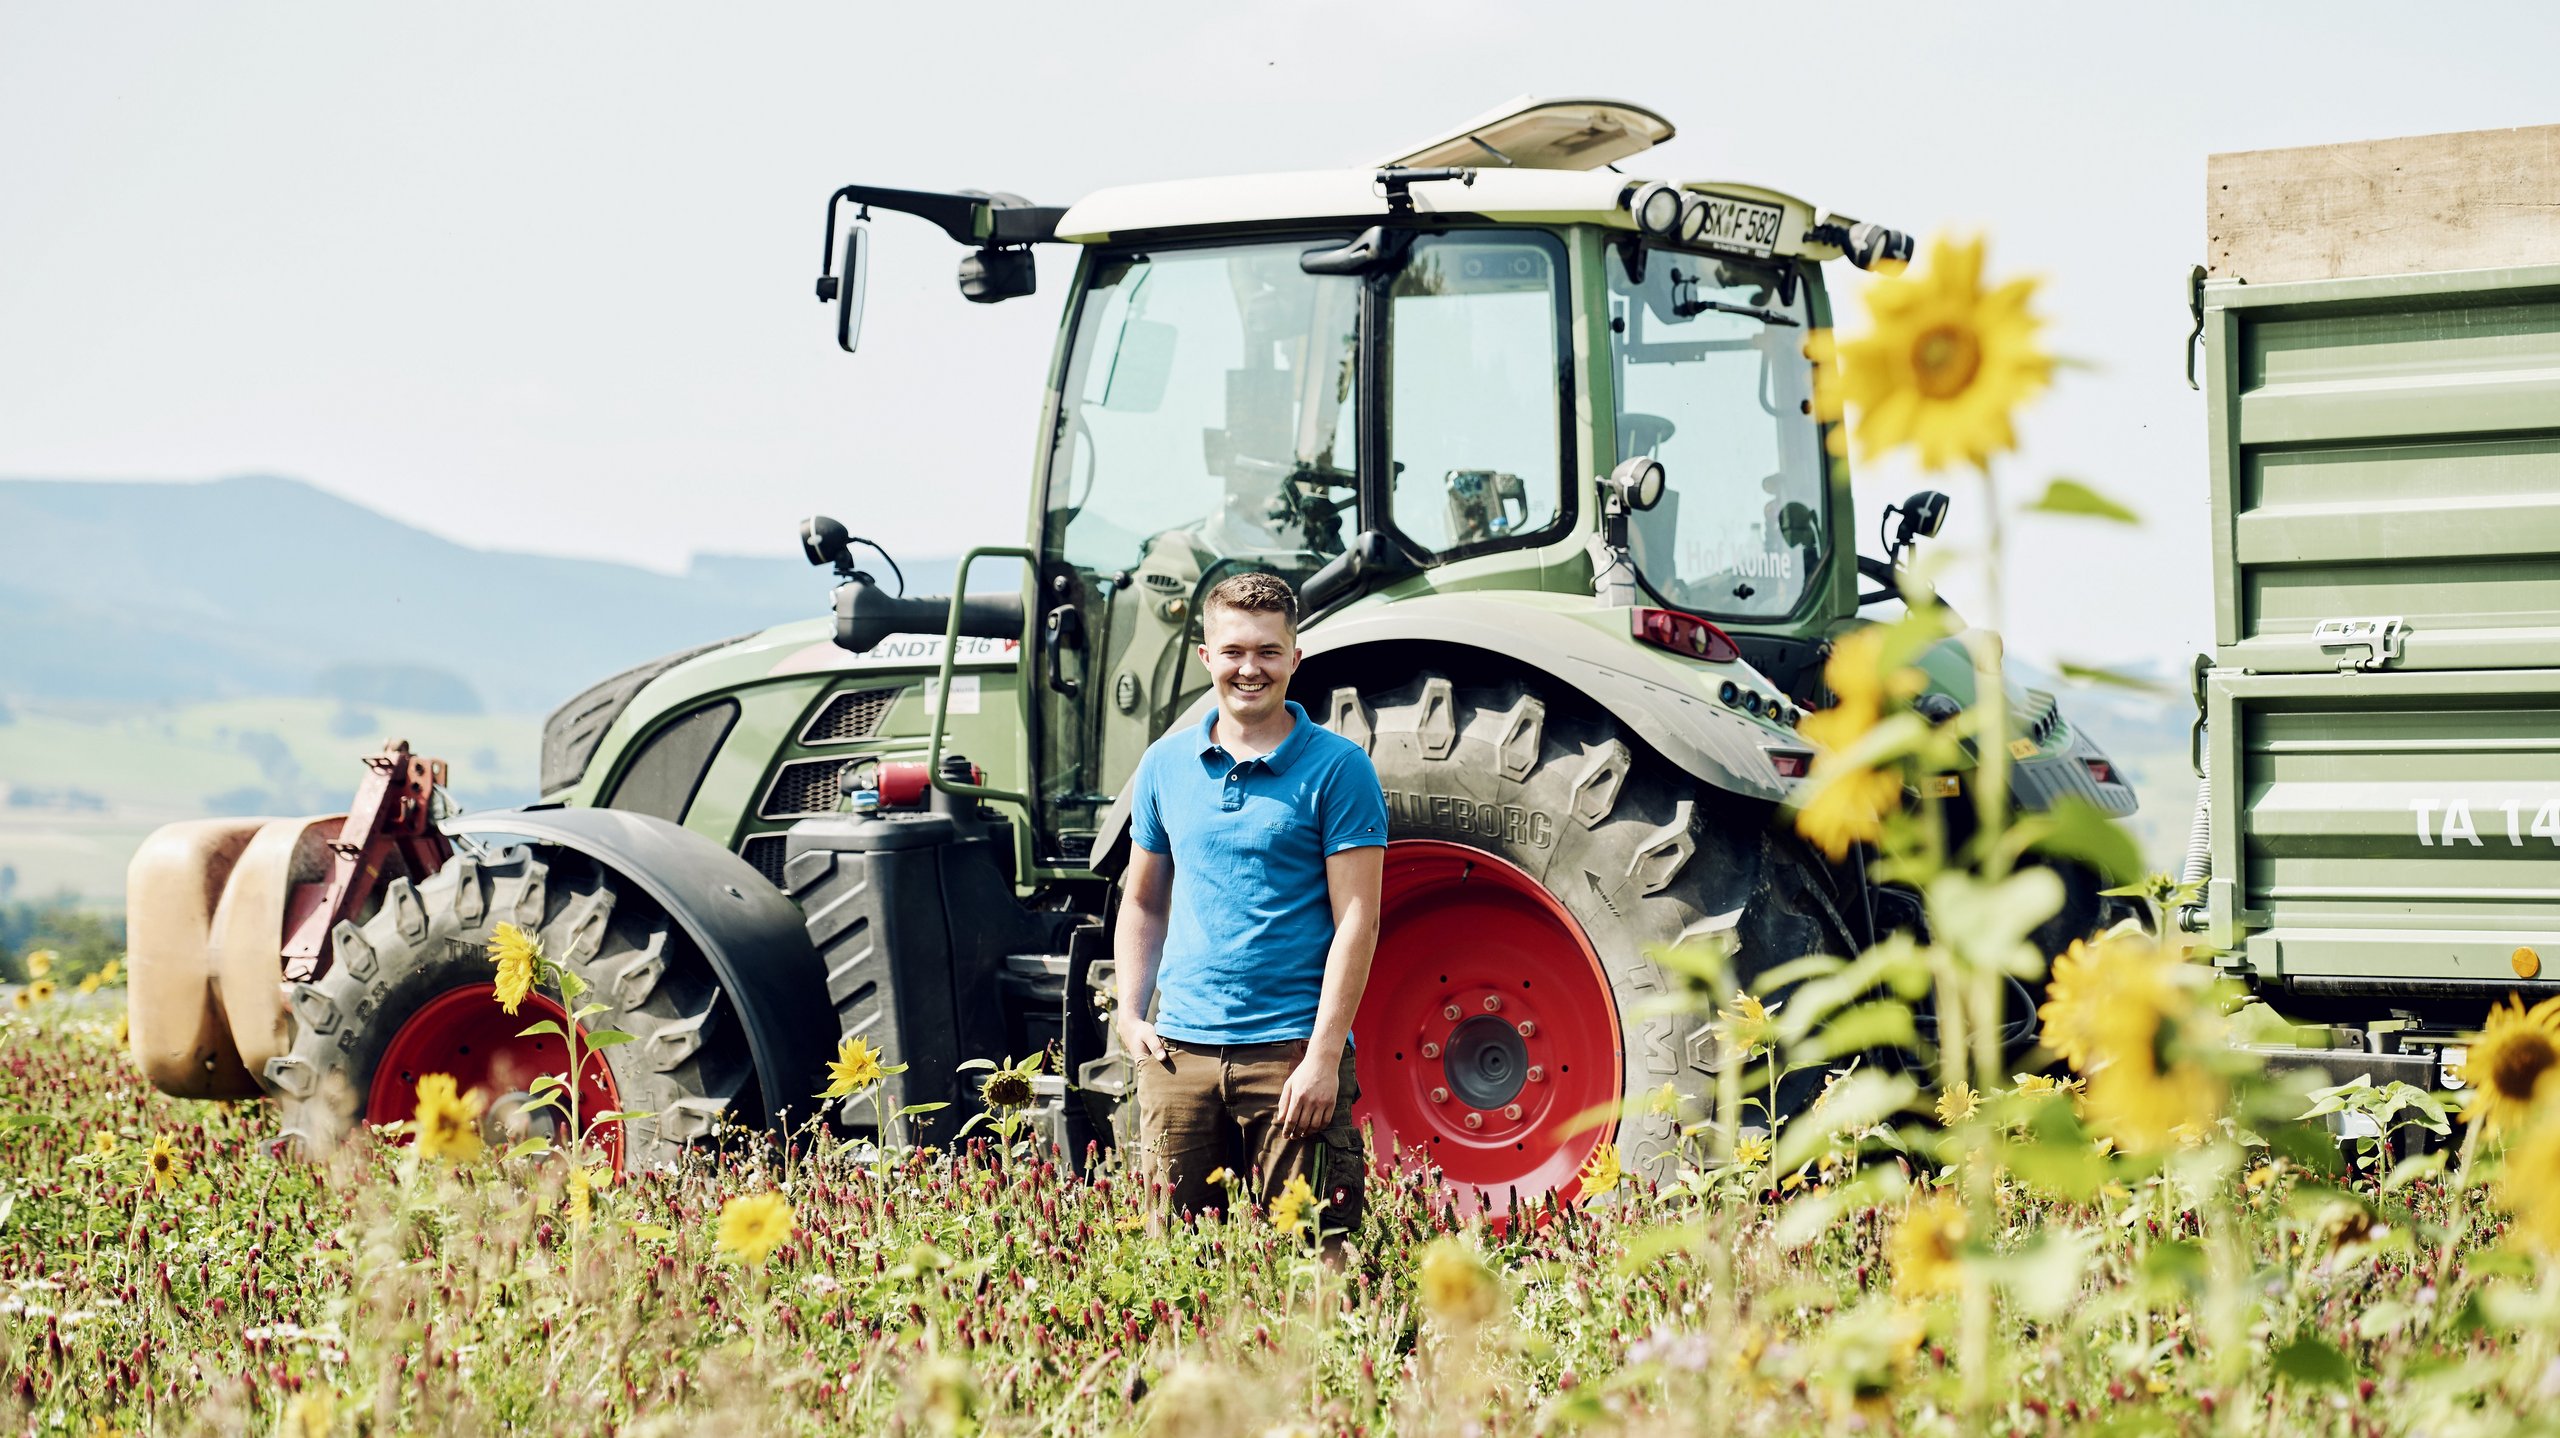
[{"x": 1277, "y": 761}]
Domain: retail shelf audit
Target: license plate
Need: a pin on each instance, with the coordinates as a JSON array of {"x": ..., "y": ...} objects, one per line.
[{"x": 1744, "y": 225}]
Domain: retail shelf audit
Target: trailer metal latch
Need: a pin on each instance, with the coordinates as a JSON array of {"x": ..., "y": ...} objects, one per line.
[{"x": 2379, "y": 637}]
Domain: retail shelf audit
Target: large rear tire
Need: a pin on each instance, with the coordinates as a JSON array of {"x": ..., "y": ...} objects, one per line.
[
  {"x": 408, "y": 993},
  {"x": 1540, "y": 854}
]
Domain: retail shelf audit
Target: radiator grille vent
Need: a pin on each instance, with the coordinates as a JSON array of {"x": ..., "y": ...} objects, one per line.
[
  {"x": 765, "y": 852},
  {"x": 804, "y": 787},
  {"x": 850, "y": 715}
]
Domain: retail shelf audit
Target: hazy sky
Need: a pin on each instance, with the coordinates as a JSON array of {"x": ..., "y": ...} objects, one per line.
[{"x": 538, "y": 277}]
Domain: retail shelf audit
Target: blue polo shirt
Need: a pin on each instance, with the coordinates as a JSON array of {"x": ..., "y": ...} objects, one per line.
[{"x": 1252, "y": 919}]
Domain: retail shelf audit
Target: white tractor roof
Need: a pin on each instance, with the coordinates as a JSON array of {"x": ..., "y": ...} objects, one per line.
[{"x": 1541, "y": 137}]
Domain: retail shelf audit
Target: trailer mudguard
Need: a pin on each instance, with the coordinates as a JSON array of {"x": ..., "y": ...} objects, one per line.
[
  {"x": 1707, "y": 741},
  {"x": 755, "y": 938}
]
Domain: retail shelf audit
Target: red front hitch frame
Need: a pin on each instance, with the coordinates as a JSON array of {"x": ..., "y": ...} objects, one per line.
[{"x": 392, "y": 817}]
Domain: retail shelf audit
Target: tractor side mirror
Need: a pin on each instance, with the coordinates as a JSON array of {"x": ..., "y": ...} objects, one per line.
[{"x": 848, "y": 287}]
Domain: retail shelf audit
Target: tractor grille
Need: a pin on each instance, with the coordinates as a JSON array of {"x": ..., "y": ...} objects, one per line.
[
  {"x": 804, "y": 787},
  {"x": 765, "y": 852},
  {"x": 852, "y": 714}
]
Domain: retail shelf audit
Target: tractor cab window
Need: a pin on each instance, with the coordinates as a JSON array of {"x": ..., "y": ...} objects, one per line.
[
  {"x": 1477, "y": 383},
  {"x": 1206, "y": 427},
  {"x": 1712, "y": 380}
]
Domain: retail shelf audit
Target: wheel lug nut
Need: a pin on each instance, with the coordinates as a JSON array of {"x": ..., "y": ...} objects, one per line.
[
  {"x": 1528, "y": 1029},
  {"x": 1511, "y": 1110},
  {"x": 1537, "y": 1073},
  {"x": 1449, "y": 1012},
  {"x": 1431, "y": 1051},
  {"x": 1493, "y": 1003},
  {"x": 1475, "y": 1120},
  {"x": 1439, "y": 1095}
]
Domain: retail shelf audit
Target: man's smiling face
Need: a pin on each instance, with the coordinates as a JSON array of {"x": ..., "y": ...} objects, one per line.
[{"x": 1250, "y": 654}]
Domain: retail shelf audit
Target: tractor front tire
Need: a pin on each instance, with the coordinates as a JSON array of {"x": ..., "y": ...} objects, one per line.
[
  {"x": 409, "y": 992},
  {"x": 1540, "y": 855}
]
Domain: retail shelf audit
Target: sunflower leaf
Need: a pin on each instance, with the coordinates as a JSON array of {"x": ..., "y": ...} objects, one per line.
[
  {"x": 546, "y": 1026},
  {"x": 2071, "y": 497},
  {"x": 607, "y": 1038}
]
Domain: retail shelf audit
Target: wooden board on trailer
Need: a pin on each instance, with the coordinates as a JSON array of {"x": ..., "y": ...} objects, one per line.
[{"x": 2480, "y": 199}]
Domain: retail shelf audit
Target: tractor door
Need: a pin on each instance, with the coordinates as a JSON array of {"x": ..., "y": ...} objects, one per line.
[{"x": 1206, "y": 426}]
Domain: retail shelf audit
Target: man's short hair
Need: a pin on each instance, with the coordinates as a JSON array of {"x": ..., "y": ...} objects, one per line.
[{"x": 1253, "y": 594}]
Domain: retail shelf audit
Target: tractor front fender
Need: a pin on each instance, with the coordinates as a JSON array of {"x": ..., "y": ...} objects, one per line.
[
  {"x": 1658, "y": 701},
  {"x": 757, "y": 940}
]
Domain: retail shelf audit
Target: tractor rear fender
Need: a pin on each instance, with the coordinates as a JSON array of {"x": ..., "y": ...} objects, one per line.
[
  {"x": 1662, "y": 702},
  {"x": 756, "y": 939}
]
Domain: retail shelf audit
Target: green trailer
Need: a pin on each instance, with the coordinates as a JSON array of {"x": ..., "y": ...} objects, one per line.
[{"x": 2378, "y": 842}]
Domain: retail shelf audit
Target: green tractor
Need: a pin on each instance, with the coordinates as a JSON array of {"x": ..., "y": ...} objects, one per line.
[{"x": 1533, "y": 438}]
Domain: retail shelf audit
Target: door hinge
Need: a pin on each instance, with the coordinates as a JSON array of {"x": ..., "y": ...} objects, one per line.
[{"x": 2378, "y": 636}]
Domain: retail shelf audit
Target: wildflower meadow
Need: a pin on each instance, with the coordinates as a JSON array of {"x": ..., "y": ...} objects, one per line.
[{"x": 1952, "y": 1184}]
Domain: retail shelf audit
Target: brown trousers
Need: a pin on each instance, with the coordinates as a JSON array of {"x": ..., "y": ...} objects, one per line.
[{"x": 1189, "y": 1109}]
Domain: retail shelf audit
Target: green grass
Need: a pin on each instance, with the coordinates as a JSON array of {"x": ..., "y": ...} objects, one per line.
[
  {"x": 931, "y": 1292},
  {"x": 90, "y": 783}
]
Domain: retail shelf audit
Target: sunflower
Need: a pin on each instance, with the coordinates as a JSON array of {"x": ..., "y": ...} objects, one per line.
[
  {"x": 89, "y": 984},
  {"x": 1958, "y": 1103},
  {"x": 514, "y": 952},
  {"x": 2146, "y": 1090},
  {"x": 580, "y": 1204},
  {"x": 1747, "y": 1025},
  {"x": 1009, "y": 1087},
  {"x": 41, "y": 991},
  {"x": 1294, "y": 1211},
  {"x": 1927, "y": 1247},
  {"x": 39, "y": 963},
  {"x": 1944, "y": 365},
  {"x": 855, "y": 1067},
  {"x": 2095, "y": 980},
  {"x": 753, "y": 1226},
  {"x": 312, "y": 1414},
  {"x": 112, "y": 972},
  {"x": 1751, "y": 1152},
  {"x": 448, "y": 1122},
  {"x": 2529, "y": 1186},
  {"x": 1848, "y": 808},
  {"x": 104, "y": 1142},
  {"x": 1664, "y": 1101},
  {"x": 2042, "y": 1084},
  {"x": 1457, "y": 1288},
  {"x": 2508, "y": 1063},
  {"x": 1600, "y": 1172},
  {"x": 23, "y": 999},
  {"x": 161, "y": 1167},
  {"x": 1859, "y": 684}
]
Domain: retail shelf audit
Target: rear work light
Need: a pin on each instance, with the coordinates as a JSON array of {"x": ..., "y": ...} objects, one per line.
[
  {"x": 2101, "y": 770},
  {"x": 1790, "y": 765},
  {"x": 1685, "y": 634}
]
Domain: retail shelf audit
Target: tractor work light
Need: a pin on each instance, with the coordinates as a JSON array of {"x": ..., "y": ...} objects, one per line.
[
  {"x": 1657, "y": 208},
  {"x": 1685, "y": 634}
]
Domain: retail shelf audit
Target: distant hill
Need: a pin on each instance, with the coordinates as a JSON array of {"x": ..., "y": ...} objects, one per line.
[{"x": 258, "y": 585}]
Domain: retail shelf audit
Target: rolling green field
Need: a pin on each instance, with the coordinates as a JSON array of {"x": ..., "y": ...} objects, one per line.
[{"x": 81, "y": 785}]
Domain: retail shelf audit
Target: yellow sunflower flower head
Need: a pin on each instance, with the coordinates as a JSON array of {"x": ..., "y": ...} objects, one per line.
[
  {"x": 1946, "y": 362},
  {"x": 104, "y": 1142},
  {"x": 1458, "y": 1289},
  {"x": 162, "y": 1167},
  {"x": 448, "y": 1121},
  {"x": 112, "y": 973},
  {"x": 1751, "y": 1152},
  {"x": 1927, "y": 1248},
  {"x": 1600, "y": 1172},
  {"x": 2508, "y": 1065},
  {"x": 514, "y": 952},
  {"x": 41, "y": 991},
  {"x": 1294, "y": 1211},
  {"x": 2092, "y": 981},
  {"x": 855, "y": 1067},
  {"x": 2529, "y": 1187},
  {"x": 754, "y": 1225},
  {"x": 1847, "y": 808},
  {"x": 39, "y": 963},
  {"x": 1958, "y": 1103}
]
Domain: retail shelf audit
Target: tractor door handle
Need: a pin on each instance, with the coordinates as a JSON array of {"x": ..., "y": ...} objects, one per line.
[{"x": 1065, "y": 631}]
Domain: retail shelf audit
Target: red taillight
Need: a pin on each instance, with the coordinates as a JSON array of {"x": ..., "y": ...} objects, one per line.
[
  {"x": 1791, "y": 766},
  {"x": 2101, "y": 770},
  {"x": 1685, "y": 634}
]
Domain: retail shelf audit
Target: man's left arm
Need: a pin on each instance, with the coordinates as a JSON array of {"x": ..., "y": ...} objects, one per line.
[{"x": 1353, "y": 869}]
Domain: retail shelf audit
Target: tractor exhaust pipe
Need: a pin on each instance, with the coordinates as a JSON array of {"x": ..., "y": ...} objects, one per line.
[{"x": 865, "y": 615}]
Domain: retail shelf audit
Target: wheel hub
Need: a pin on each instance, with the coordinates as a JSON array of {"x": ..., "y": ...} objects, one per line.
[
  {"x": 1488, "y": 1026},
  {"x": 1487, "y": 1062},
  {"x": 465, "y": 1033}
]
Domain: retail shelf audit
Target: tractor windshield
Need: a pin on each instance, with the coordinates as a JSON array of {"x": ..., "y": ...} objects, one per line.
[
  {"x": 1712, "y": 380},
  {"x": 1207, "y": 416}
]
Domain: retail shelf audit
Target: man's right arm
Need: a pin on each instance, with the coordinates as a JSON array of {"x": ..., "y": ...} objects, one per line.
[{"x": 1146, "y": 898}]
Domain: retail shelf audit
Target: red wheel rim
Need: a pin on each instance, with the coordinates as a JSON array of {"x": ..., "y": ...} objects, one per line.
[
  {"x": 463, "y": 1032},
  {"x": 1462, "y": 932}
]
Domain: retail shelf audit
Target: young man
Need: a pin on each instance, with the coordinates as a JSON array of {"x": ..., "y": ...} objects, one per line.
[{"x": 1258, "y": 838}]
